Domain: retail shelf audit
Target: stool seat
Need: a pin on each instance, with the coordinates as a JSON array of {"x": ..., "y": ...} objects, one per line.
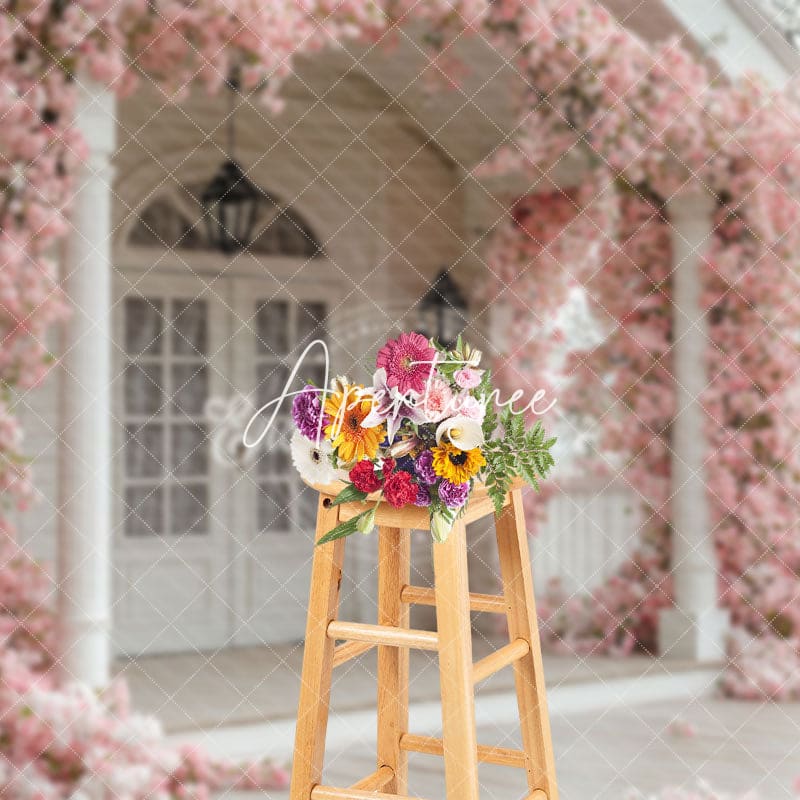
[
  {"x": 393, "y": 638},
  {"x": 478, "y": 506}
]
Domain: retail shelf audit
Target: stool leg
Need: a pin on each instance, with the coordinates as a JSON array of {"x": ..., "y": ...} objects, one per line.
[
  {"x": 455, "y": 665},
  {"x": 515, "y": 569},
  {"x": 315, "y": 684},
  {"x": 394, "y": 572}
]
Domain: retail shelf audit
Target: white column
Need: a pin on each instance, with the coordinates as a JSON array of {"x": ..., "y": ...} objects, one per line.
[
  {"x": 84, "y": 552},
  {"x": 695, "y": 627}
]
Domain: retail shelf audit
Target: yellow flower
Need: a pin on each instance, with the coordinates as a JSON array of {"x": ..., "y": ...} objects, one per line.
[
  {"x": 457, "y": 466},
  {"x": 347, "y": 410}
]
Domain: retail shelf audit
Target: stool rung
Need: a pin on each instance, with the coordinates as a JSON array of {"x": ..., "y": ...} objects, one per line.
[
  {"x": 332, "y": 793},
  {"x": 375, "y": 782},
  {"x": 421, "y": 596},
  {"x": 430, "y": 745},
  {"x": 344, "y": 652},
  {"x": 383, "y": 634},
  {"x": 494, "y": 662}
]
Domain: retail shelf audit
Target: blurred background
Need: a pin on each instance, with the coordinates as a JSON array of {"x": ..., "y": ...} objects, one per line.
[{"x": 600, "y": 196}]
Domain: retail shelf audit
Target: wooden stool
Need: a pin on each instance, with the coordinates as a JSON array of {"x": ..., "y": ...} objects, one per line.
[{"x": 453, "y": 642}]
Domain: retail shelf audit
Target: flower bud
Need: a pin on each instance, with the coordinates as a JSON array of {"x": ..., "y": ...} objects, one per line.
[
  {"x": 366, "y": 524},
  {"x": 474, "y": 358},
  {"x": 403, "y": 447}
]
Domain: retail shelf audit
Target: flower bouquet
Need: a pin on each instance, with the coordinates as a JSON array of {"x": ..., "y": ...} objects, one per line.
[{"x": 422, "y": 434}]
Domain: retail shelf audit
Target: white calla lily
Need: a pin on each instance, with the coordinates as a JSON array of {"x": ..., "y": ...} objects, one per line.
[{"x": 462, "y": 432}]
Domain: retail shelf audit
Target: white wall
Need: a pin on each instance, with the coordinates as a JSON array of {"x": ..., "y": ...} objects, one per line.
[{"x": 739, "y": 37}]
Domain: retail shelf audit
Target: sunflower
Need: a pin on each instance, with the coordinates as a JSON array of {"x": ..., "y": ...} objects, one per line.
[
  {"x": 346, "y": 410},
  {"x": 457, "y": 466}
]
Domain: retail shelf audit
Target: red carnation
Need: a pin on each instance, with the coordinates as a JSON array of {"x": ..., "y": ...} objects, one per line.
[
  {"x": 388, "y": 466},
  {"x": 364, "y": 478},
  {"x": 399, "y": 489}
]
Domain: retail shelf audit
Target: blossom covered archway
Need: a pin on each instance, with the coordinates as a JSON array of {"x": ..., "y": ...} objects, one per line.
[
  {"x": 649, "y": 122},
  {"x": 653, "y": 124}
]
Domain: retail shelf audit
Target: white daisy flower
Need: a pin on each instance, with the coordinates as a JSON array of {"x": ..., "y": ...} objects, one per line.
[{"x": 312, "y": 462}]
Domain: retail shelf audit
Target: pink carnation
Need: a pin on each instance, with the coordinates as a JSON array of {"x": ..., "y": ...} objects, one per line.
[
  {"x": 436, "y": 403},
  {"x": 466, "y": 405}
]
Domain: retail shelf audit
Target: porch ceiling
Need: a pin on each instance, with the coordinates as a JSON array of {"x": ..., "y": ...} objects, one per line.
[{"x": 359, "y": 83}]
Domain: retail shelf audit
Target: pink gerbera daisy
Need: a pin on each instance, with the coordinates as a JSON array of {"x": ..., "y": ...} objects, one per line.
[{"x": 404, "y": 360}]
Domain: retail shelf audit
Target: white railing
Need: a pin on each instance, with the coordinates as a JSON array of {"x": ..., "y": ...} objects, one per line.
[{"x": 590, "y": 529}]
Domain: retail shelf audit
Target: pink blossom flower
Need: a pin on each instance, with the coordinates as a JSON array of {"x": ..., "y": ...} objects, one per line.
[
  {"x": 58, "y": 740},
  {"x": 682, "y": 729},
  {"x": 468, "y": 377}
]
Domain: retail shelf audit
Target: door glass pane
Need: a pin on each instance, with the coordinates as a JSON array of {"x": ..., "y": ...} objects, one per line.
[
  {"x": 144, "y": 451},
  {"x": 189, "y": 388},
  {"x": 144, "y": 511},
  {"x": 143, "y": 389},
  {"x": 189, "y": 504},
  {"x": 310, "y": 317},
  {"x": 167, "y": 386},
  {"x": 189, "y": 327},
  {"x": 144, "y": 321},
  {"x": 272, "y": 327},
  {"x": 271, "y": 380},
  {"x": 189, "y": 450}
]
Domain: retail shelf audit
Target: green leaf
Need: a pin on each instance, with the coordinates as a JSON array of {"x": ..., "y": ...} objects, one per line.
[
  {"x": 344, "y": 528},
  {"x": 348, "y": 495},
  {"x": 489, "y": 423}
]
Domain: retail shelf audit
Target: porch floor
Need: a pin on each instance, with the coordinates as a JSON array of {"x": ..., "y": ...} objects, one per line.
[
  {"x": 235, "y": 686},
  {"x": 738, "y": 748},
  {"x": 611, "y": 722}
]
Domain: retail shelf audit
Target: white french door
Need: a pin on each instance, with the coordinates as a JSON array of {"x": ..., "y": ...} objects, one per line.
[
  {"x": 275, "y": 511},
  {"x": 171, "y": 543},
  {"x": 208, "y": 555}
]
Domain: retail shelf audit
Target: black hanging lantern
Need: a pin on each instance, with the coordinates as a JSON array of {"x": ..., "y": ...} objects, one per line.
[
  {"x": 231, "y": 200},
  {"x": 230, "y": 204},
  {"x": 443, "y": 310}
]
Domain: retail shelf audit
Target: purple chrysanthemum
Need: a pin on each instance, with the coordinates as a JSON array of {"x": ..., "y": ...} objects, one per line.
[
  {"x": 423, "y": 497},
  {"x": 306, "y": 412},
  {"x": 453, "y": 495},
  {"x": 423, "y": 466}
]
